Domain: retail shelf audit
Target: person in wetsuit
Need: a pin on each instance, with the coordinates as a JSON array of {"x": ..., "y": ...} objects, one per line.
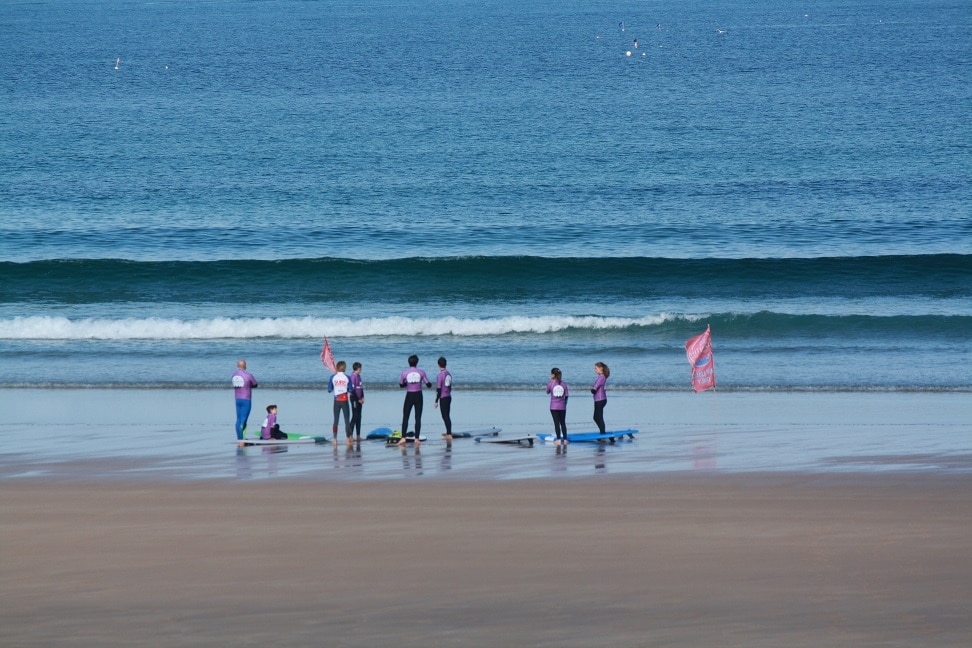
[
  {"x": 411, "y": 381},
  {"x": 356, "y": 396},
  {"x": 339, "y": 385},
  {"x": 600, "y": 394},
  {"x": 271, "y": 429},
  {"x": 243, "y": 385},
  {"x": 443, "y": 398},
  {"x": 559, "y": 393}
]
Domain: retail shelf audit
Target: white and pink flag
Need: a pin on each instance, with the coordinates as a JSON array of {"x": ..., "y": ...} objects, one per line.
[
  {"x": 699, "y": 353},
  {"x": 327, "y": 357}
]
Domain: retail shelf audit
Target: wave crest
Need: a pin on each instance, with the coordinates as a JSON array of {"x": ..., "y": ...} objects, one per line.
[
  {"x": 62, "y": 328},
  {"x": 763, "y": 325}
]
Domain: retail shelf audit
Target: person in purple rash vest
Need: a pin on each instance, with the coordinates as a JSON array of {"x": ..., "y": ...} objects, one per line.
[
  {"x": 443, "y": 398},
  {"x": 412, "y": 380},
  {"x": 268, "y": 422},
  {"x": 600, "y": 394},
  {"x": 356, "y": 396},
  {"x": 243, "y": 385},
  {"x": 270, "y": 429},
  {"x": 559, "y": 393}
]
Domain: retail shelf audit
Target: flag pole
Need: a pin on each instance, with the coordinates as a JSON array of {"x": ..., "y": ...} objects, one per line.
[{"x": 715, "y": 402}]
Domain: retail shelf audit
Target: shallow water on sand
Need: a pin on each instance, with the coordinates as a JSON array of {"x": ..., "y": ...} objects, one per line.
[{"x": 187, "y": 435}]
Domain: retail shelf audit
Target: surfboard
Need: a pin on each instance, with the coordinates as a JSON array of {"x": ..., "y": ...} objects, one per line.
[
  {"x": 379, "y": 433},
  {"x": 291, "y": 439},
  {"x": 383, "y": 434},
  {"x": 589, "y": 437},
  {"x": 393, "y": 441},
  {"x": 525, "y": 439},
  {"x": 478, "y": 432}
]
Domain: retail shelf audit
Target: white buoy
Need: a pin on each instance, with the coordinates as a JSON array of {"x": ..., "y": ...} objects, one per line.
[{"x": 628, "y": 53}]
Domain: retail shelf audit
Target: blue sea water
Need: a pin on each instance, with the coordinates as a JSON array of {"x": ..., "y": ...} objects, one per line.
[{"x": 513, "y": 185}]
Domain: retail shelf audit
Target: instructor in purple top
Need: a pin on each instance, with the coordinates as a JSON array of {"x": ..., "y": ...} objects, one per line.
[
  {"x": 243, "y": 384},
  {"x": 411, "y": 380}
]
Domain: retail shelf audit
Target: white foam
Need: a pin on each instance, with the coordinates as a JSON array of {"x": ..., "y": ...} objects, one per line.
[{"x": 153, "y": 328}]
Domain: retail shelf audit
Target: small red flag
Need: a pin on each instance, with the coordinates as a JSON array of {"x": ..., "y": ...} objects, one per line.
[
  {"x": 698, "y": 350},
  {"x": 327, "y": 357}
]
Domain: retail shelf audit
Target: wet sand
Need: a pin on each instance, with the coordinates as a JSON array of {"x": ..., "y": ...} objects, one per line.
[
  {"x": 188, "y": 435},
  {"x": 786, "y": 559}
]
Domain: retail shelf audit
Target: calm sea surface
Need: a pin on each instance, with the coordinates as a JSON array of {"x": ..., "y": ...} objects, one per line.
[{"x": 514, "y": 185}]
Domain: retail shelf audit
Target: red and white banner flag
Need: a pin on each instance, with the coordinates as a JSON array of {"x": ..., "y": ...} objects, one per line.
[
  {"x": 327, "y": 357},
  {"x": 699, "y": 353}
]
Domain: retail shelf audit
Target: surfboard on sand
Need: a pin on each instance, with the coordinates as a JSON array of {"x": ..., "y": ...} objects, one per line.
[
  {"x": 385, "y": 434},
  {"x": 478, "y": 432},
  {"x": 591, "y": 437},
  {"x": 379, "y": 433},
  {"x": 524, "y": 439},
  {"x": 291, "y": 439},
  {"x": 393, "y": 441}
]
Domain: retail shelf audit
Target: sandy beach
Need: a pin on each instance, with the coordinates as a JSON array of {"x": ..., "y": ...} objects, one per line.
[
  {"x": 509, "y": 191},
  {"x": 755, "y": 560}
]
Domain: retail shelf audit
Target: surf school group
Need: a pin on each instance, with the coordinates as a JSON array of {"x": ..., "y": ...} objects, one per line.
[{"x": 349, "y": 397}]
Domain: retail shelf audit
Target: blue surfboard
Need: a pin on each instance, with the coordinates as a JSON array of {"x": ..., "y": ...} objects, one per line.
[
  {"x": 592, "y": 437},
  {"x": 379, "y": 433}
]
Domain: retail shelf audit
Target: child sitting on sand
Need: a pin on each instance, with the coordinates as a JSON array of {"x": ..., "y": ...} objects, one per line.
[{"x": 271, "y": 429}]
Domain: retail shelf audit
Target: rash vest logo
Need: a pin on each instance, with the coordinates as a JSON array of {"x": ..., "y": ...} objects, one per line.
[{"x": 340, "y": 386}]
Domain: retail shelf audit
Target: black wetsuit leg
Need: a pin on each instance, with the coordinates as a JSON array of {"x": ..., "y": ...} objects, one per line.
[
  {"x": 356, "y": 417},
  {"x": 445, "y": 407},
  {"x": 346, "y": 410},
  {"x": 599, "y": 415},
  {"x": 413, "y": 400},
  {"x": 418, "y": 414}
]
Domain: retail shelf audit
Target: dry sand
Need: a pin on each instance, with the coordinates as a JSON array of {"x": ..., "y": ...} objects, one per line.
[{"x": 717, "y": 560}]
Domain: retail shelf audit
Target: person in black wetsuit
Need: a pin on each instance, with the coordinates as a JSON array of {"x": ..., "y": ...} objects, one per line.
[
  {"x": 411, "y": 381},
  {"x": 356, "y": 397},
  {"x": 443, "y": 397}
]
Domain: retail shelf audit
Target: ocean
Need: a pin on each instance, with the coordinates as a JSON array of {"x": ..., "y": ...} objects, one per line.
[{"x": 511, "y": 185}]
